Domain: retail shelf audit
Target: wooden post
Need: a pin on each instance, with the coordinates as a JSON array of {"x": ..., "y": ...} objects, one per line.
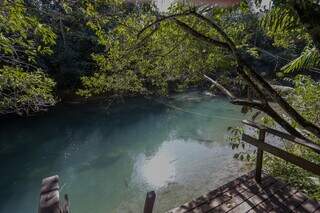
[
  {"x": 49, "y": 195},
  {"x": 262, "y": 135},
  {"x": 150, "y": 199}
]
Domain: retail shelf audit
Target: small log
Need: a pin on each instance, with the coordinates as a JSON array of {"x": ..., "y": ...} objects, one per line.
[{"x": 149, "y": 203}]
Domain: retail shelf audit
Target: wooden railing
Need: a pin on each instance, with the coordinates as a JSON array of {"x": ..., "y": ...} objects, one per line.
[{"x": 262, "y": 146}]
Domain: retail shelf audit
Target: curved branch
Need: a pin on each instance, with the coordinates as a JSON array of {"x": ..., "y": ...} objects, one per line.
[
  {"x": 163, "y": 18},
  {"x": 231, "y": 44},
  {"x": 201, "y": 36}
]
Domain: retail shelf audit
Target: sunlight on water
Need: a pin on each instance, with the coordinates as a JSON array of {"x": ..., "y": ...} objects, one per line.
[{"x": 160, "y": 169}]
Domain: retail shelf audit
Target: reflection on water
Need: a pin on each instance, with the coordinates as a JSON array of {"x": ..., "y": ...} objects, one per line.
[
  {"x": 108, "y": 159},
  {"x": 159, "y": 170}
]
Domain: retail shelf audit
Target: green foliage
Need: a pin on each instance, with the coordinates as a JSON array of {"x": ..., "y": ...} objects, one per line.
[
  {"x": 22, "y": 36},
  {"x": 308, "y": 59},
  {"x": 236, "y": 143},
  {"x": 162, "y": 59},
  {"x": 283, "y": 26},
  {"x": 98, "y": 40},
  {"x": 116, "y": 84},
  {"x": 23, "y": 86},
  {"x": 22, "y": 92},
  {"x": 306, "y": 99},
  {"x": 75, "y": 42}
]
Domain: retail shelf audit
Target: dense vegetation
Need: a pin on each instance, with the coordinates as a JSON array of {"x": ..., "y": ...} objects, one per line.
[
  {"x": 56, "y": 50},
  {"x": 92, "y": 49}
]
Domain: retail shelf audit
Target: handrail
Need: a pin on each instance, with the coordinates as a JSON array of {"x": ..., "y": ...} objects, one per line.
[
  {"x": 307, "y": 143},
  {"x": 299, "y": 161},
  {"x": 263, "y": 146}
]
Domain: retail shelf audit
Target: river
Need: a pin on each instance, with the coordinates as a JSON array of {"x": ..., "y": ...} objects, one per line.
[{"x": 109, "y": 157}]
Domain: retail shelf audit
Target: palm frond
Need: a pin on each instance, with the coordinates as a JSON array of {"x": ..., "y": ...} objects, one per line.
[
  {"x": 278, "y": 20},
  {"x": 308, "y": 59}
]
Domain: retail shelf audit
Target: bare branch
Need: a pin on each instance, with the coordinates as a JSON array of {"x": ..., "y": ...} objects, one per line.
[{"x": 222, "y": 88}]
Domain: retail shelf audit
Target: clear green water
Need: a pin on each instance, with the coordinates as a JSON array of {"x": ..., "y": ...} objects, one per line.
[{"x": 108, "y": 159}]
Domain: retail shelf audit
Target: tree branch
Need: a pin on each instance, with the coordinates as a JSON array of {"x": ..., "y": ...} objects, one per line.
[
  {"x": 231, "y": 44},
  {"x": 201, "y": 36},
  {"x": 264, "y": 84},
  {"x": 262, "y": 106},
  {"x": 282, "y": 103},
  {"x": 163, "y": 18},
  {"x": 222, "y": 88}
]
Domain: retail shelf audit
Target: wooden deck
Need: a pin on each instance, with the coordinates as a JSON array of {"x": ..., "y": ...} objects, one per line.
[{"x": 244, "y": 194}]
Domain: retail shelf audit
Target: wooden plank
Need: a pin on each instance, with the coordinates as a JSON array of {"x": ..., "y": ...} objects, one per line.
[
  {"x": 307, "y": 165},
  {"x": 234, "y": 197},
  {"x": 293, "y": 201},
  {"x": 245, "y": 195},
  {"x": 308, "y": 206},
  {"x": 275, "y": 201},
  {"x": 307, "y": 143},
  {"x": 233, "y": 192},
  {"x": 213, "y": 194},
  {"x": 249, "y": 185},
  {"x": 259, "y": 197}
]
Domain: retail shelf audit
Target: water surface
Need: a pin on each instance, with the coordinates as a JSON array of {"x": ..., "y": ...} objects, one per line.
[{"x": 108, "y": 158}]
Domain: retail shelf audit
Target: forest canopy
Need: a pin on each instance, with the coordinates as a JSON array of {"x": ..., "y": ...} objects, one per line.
[{"x": 92, "y": 49}]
